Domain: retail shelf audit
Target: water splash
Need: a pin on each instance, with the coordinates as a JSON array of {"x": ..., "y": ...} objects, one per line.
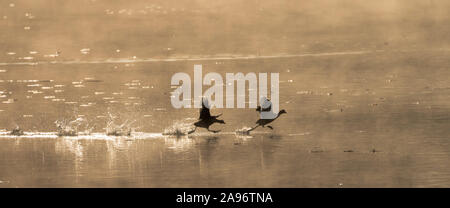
[
  {"x": 244, "y": 130},
  {"x": 179, "y": 128},
  {"x": 113, "y": 129},
  {"x": 66, "y": 127},
  {"x": 17, "y": 131}
]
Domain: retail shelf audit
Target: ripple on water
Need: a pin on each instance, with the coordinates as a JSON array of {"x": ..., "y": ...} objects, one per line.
[
  {"x": 35, "y": 91},
  {"x": 85, "y": 51},
  {"x": 71, "y": 103},
  {"x": 34, "y": 85},
  {"x": 91, "y": 79},
  {"x": 9, "y": 101}
]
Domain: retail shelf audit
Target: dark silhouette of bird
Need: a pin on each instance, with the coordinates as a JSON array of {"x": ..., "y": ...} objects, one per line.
[
  {"x": 206, "y": 120},
  {"x": 264, "y": 122}
]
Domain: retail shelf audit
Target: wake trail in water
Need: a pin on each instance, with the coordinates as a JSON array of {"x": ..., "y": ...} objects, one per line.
[
  {"x": 103, "y": 136},
  {"x": 220, "y": 58},
  {"x": 231, "y": 57}
]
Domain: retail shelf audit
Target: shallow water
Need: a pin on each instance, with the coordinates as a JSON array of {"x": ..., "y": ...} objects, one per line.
[
  {"x": 365, "y": 86},
  {"x": 357, "y": 130}
]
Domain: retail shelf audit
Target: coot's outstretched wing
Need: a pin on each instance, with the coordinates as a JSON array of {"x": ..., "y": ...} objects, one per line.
[
  {"x": 265, "y": 106},
  {"x": 204, "y": 112},
  {"x": 268, "y": 109}
]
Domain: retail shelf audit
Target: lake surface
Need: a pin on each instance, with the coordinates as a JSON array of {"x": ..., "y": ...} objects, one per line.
[
  {"x": 365, "y": 107},
  {"x": 369, "y": 126}
]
